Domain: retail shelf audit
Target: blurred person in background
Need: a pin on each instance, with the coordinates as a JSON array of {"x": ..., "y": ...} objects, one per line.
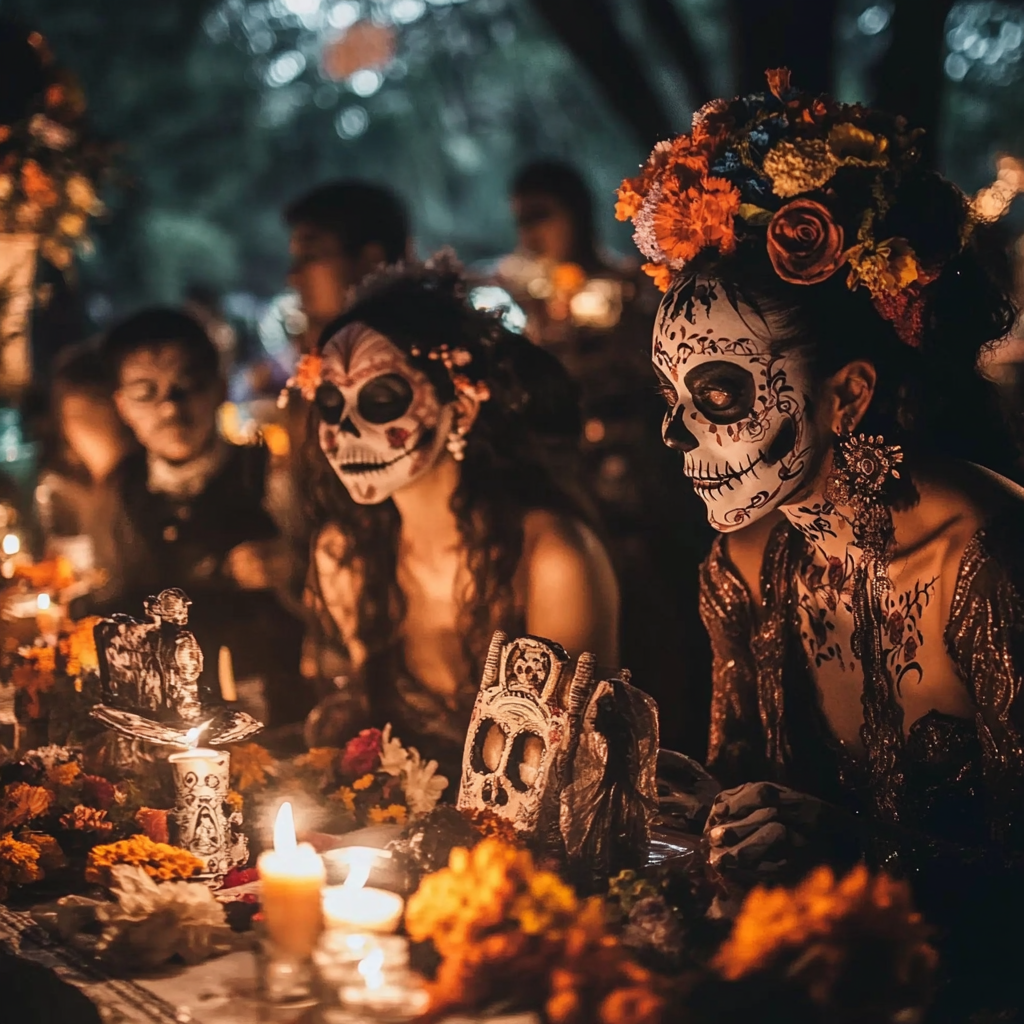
[
  {"x": 194, "y": 513},
  {"x": 595, "y": 314},
  {"x": 77, "y": 500}
]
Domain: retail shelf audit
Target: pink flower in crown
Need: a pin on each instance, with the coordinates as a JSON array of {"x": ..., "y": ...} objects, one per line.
[{"x": 362, "y": 753}]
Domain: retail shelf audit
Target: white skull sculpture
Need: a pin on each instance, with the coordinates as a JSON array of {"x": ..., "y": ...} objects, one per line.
[{"x": 519, "y": 735}]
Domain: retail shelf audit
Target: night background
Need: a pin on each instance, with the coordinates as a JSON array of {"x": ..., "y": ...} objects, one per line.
[{"x": 224, "y": 110}]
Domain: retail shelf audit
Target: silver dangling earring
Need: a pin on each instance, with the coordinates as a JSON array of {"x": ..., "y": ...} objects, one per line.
[{"x": 456, "y": 444}]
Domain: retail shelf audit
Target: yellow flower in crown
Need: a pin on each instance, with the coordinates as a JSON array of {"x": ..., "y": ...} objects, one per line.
[{"x": 799, "y": 166}]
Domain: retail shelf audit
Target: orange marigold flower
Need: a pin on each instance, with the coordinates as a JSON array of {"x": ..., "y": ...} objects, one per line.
[
  {"x": 64, "y": 774},
  {"x": 363, "y": 782},
  {"x": 778, "y": 81},
  {"x": 38, "y": 185},
  {"x": 347, "y": 796},
  {"x": 320, "y": 759},
  {"x": 51, "y": 856},
  {"x": 22, "y": 803},
  {"x": 153, "y": 823},
  {"x": 86, "y": 819},
  {"x": 308, "y": 376},
  {"x": 823, "y": 920},
  {"x": 660, "y": 274},
  {"x": 79, "y": 648},
  {"x": 235, "y": 801},
  {"x": 158, "y": 860},
  {"x": 884, "y": 268},
  {"x": 19, "y": 863},
  {"x": 685, "y": 222},
  {"x": 250, "y": 766}
]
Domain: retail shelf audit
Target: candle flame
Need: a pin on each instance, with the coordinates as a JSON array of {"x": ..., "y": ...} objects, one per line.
[
  {"x": 43, "y": 602},
  {"x": 360, "y": 860},
  {"x": 11, "y": 544},
  {"x": 284, "y": 829},
  {"x": 370, "y": 968},
  {"x": 192, "y": 736}
]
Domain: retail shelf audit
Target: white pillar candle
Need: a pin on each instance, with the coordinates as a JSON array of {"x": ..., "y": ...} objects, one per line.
[{"x": 201, "y": 783}]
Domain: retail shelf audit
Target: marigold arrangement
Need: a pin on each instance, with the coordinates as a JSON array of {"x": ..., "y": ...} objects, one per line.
[
  {"x": 160, "y": 861},
  {"x": 50, "y": 164},
  {"x": 832, "y": 935},
  {"x": 507, "y": 931},
  {"x": 812, "y": 180}
]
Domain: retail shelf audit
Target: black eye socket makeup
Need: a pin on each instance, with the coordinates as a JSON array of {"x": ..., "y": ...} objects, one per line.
[
  {"x": 722, "y": 392},
  {"x": 330, "y": 403},
  {"x": 385, "y": 398}
]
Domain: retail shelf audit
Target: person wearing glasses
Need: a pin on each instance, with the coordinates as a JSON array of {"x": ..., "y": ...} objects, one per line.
[
  {"x": 194, "y": 513},
  {"x": 437, "y": 519}
]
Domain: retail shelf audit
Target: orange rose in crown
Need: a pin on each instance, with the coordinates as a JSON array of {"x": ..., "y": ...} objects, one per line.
[{"x": 805, "y": 244}]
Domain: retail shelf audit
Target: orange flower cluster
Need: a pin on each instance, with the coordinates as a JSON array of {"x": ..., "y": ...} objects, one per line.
[
  {"x": 814, "y": 930},
  {"x": 86, "y": 819},
  {"x": 308, "y": 376},
  {"x": 160, "y": 861},
  {"x": 250, "y": 766},
  {"x": 678, "y": 206},
  {"x": 491, "y": 826},
  {"x": 22, "y": 803},
  {"x": 19, "y": 863},
  {"x": 153, "y": 823},
  {"x": 50, "y": 574},
  {"x": 504, "y": 927},
  {"x": 79, "y": 648},
  {"x": 64, "y": 775}
]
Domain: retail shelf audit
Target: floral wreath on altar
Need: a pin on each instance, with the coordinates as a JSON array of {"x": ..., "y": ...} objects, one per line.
[{"x": 813, "y": 180}]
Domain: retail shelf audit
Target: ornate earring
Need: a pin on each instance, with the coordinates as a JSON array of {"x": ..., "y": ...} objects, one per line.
[
  {"x": 861, "y": 466},
  {"x": 456, "y": 443}
]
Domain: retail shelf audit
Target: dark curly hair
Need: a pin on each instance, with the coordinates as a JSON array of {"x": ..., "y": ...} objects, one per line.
[
  {"x": 530, "y": 424},
  {"x": 931, "y": 399}
]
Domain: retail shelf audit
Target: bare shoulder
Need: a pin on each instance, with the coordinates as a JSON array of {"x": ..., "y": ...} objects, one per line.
[
  {"x": 558, "y": 542},
  {"x": 745, "y": 549}
]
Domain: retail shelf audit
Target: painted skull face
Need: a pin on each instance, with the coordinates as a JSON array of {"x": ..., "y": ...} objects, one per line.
[
  {"x": 739, "y": 414},
  {"x": 381, "y": 424}
]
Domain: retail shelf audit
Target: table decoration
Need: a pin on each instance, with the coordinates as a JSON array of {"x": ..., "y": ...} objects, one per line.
[
  {"x": 356, "y": 907},
  {"x": 568, "y": 760}
]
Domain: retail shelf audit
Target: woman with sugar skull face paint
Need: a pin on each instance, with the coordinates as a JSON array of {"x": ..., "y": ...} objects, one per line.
[
  {"x": 817, "y": 345},
  {"x": 438, "y": 521}
]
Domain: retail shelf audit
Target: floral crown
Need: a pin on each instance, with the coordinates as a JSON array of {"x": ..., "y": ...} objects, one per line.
[
  {"x": 442, "y": 270},
  {"x": 810, "y": 178}
]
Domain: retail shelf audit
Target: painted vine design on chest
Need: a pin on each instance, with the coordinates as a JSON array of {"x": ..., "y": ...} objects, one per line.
[{"x": 824, "y": 597}]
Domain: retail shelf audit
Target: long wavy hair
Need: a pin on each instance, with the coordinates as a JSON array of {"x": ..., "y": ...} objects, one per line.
[{"x": 529, "y": 425}]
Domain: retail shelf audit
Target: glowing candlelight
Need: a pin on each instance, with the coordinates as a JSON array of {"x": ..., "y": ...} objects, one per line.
[
  {"x": 291, "y": 878},
  {"x": 357, "y": 907},
  {"x": 43, "y": 602},
  {"x": 226, "y": 675},
  {"x": 11, "y": 544}
]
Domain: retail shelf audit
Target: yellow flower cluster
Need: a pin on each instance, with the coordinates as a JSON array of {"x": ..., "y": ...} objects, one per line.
[
  {"x": 250, "y": 766},
  {"x": 804, "y": 165},
  {"x": 347, "y": 796},
  {"x": 22, "y": 803},
  {"x": 319, "y": 759},
  {"x": 395, "y": 813},
  {"x": 235, "y": 800},
  {"x": 490, "y": 887},
  {"x": 61, "y": 775},
  {"x": 160, "y": 861},
  {"x": 79, "y": 648},
  {"x": 363, "y": 782},
  {"x": 823, "y": 916},
  {"x": 19, "y": 863},
  {"x": 884, "y": 268}
]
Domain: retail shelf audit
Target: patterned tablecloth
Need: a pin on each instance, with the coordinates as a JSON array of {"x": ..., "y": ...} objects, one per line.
[{"x": 219, "y": 991}]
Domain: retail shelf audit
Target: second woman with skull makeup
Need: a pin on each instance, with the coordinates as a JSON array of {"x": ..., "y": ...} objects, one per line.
[{"x": 437, "y": 518}]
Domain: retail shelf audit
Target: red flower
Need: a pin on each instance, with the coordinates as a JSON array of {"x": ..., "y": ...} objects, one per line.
[
  {"x": 896, "y": 624},
  {"x": 97, "y": 792},
  {"x": 362, "y": 753},
  {"x": 804, "y": 243},
  {"x": 240, "y": 876}
]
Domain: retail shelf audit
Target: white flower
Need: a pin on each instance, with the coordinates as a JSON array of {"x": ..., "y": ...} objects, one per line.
[
  {"x": 393, "y": 756},
  {"x": 420, "y": 782}
]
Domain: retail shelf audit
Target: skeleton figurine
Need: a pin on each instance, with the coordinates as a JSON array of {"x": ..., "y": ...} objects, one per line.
[
  {"x": 149, "y": 672},
  {"x": 568, "y": 760}
]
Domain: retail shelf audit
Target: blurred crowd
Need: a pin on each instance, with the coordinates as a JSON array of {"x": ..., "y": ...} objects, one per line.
[{"x": 151, "y": 474}]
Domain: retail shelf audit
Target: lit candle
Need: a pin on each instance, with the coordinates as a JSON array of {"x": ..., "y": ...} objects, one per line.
[
  {"x": 291, "y": 879},
  {"x": 201, "y": 784},
  {"x": 357, "y": 907}
]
